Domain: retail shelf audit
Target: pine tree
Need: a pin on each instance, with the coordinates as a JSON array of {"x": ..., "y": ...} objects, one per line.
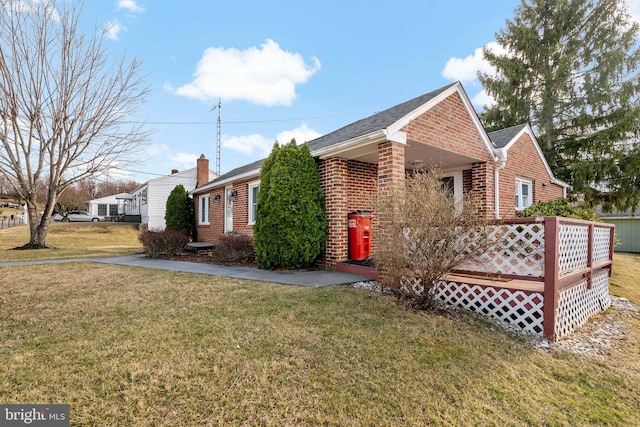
[
  {"x": 291, "y": 224},
  {"x": 571, "y": 70}
]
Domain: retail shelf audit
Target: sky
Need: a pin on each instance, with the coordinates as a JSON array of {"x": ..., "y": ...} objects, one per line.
[{"x": 287, "y": 69}]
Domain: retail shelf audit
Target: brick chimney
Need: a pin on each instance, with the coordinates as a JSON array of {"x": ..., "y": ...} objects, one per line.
[
  {"x": 174, "y": 171},
  {"x": 203, "y": 171}
]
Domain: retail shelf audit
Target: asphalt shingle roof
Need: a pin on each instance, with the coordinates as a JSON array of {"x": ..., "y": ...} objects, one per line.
[
  {"x": 239, "y": 171},
  {"x": 373, "y": 123},
  {"x": 502, "y": 137}
]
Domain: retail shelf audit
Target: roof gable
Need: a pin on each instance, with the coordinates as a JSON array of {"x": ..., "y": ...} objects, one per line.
[
  {"x": 376, "y": 122},
  {"x": 387, "y": 123},
  {"x": 443, "y": 94},
  {"x": 502, "y": 137},
  {"x": 506, "y": 138}
]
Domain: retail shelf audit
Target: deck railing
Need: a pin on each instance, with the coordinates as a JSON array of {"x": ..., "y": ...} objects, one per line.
[{"x": 570, "y": 258}]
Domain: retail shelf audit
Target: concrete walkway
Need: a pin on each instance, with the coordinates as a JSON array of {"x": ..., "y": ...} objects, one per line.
[{"x": 315, "y": 278}]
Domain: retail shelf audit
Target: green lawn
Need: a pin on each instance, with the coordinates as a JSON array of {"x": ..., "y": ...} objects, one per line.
[
  {"x": 126, "y": 346},
  {"x": 72, "y": 240}
]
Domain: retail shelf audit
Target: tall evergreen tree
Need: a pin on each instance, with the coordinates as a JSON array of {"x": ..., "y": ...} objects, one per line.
[
  {"x": 291, "y": 224},
  {"x": 571, "y": 70}
]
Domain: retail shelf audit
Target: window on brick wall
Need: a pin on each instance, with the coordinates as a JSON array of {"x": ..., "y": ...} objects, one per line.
[
  {"x": 524, "y": 195},
  {"x": 253, "y": 201},
  {"x": 203, "y": 210}
]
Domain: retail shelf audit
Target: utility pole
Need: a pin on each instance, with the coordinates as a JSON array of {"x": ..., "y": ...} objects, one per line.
[{"x": 218, "y": 135}]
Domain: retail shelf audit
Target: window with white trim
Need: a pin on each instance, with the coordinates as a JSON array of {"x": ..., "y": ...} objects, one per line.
[
  {"x": 253, "y": 201},
  {"x": 524, "y": 193},
  {"x": 203, "y": 217}
]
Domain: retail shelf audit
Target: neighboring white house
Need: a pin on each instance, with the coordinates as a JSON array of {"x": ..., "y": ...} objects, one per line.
[
  {"x": 109, "y": 206},
  {"x": 149, "y": 201}
]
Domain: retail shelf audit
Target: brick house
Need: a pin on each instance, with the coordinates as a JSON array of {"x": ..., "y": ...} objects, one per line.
[{"x": 506, "y": 169}]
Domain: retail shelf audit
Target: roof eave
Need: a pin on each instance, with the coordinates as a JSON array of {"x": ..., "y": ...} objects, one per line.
[
  {"x": 335, "y": 149},
  {"x": 216, "y": 184}
]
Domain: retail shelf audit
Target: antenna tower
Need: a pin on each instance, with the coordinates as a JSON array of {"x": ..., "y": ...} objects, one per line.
[{"x": 218, "y": 138}]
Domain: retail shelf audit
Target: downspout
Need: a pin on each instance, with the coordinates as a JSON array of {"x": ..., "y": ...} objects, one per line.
[{"x": 501, "y": 156}]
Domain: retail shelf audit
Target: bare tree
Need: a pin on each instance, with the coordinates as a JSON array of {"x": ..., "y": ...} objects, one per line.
[
  {"x": 110, "y": 187},
  {"x": 65, "y": 105},
  {"x": 425, "y": 233}
]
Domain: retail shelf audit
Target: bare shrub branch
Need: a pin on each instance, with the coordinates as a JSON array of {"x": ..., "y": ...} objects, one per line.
[{"x": 425, "y": 233}]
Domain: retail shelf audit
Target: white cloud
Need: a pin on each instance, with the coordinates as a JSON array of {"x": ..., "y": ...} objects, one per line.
[
  {"x": 32, "y": 7},
  {"x": 117, "y": 172},
  {"x": 301, "y": 134},
  {"x": 466, "y": 69},
  {"x": 154, "y": 150},
  {"x": 265, "y": 75},
  {"x": 113, "y": 29},
  {"x": 482, "y": 99},
  {"x": 130, "y": 5},
  {"x": 634, "y": 9},
  {"x": 183, "y": 161},
  {"x": 247, "y": 144},
  {"x": 168, "y": 86}
]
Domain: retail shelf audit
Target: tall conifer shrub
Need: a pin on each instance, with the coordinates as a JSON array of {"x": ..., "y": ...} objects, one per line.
[
  {"x": 291, "y": 223},
  {"x": 179, "y": 210}
]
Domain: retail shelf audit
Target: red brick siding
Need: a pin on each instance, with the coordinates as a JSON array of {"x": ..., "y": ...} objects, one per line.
[
  {"x": 390, "y": 164},
  {"x": 523, "y": 161},
  {"x": 482, "y": 187},
  {"x": 202, "y": 171},
  {"x": 363, "y": 181},
  {"x": 391, "y": 174},
  {"x": 334, "y": 180},
  {"x": 211, "y": 232},
  {"x": 448, "y": 126},
  {"x": 466, "y": 181}
]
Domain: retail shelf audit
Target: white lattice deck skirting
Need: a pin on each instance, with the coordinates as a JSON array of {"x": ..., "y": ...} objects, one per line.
[
  {"x": 553, "y": 256},
  {"x": 523, "y": 309},
  {"x": 577, "y": 303}
]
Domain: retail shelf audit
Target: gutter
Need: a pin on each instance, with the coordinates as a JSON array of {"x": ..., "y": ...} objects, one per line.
[
  {"x": 222, "y": 182},
  {"x": 349, "y": 144},
  {"x": 501, "y": 156}
]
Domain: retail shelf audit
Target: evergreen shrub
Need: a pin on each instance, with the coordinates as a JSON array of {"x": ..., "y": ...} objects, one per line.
[{"x": 291, "y": 223}]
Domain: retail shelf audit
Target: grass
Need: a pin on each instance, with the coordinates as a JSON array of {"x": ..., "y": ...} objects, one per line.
[
  {"x": 625, "y": 281},
  {"x": 126, "y": 346},
  {"x": 72, "y": 240}
]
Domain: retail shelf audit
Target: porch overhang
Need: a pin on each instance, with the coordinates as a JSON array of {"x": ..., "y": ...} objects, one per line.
[{"x": 417, "y": 155}]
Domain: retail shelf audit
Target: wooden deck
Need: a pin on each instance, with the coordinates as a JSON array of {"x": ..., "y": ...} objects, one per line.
[{"x": 515, "y": 284}]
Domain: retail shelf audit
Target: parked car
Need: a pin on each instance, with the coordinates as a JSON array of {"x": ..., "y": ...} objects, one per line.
[{"x": 78, "y": 216}]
